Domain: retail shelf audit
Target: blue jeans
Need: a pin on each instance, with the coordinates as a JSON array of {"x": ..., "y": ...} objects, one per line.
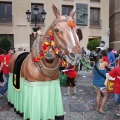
[
  {"x": 3, "y": 90},
  {"x": 117, "y": 98}
]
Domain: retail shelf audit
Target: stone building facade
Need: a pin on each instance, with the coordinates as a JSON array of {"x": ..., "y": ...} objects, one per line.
[
  {"x": 115, "y": 24},
  {"x": 92, "y": 17}
]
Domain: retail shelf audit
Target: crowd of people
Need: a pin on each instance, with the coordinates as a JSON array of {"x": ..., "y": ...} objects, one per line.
[
  {"x": 102, "y": 62},
  {"x": 4, "y": 69},
  {"x": 106, "y": 66}
]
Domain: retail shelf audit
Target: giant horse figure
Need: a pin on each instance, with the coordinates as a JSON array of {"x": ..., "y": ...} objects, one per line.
[{"x": 34, "y": 88}]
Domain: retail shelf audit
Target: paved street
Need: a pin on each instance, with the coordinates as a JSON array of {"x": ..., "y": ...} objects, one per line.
[{"x": 76, "y": 107}]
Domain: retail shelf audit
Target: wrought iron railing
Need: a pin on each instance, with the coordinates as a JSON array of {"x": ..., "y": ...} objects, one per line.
[
  {"x": 95, "y": 23},
  {"x": 38, "y": 21},
  {"x": 94, "y": 0}
]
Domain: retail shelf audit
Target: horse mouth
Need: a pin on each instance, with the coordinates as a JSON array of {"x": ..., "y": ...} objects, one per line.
[
  {"x": 73, "y": 59},
  {"x": 72, "y": 56}
]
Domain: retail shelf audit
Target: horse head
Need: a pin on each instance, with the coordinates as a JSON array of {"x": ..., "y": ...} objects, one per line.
[
  {"x": 60, "y": 40},
  {"x": 64, "y": 32}
]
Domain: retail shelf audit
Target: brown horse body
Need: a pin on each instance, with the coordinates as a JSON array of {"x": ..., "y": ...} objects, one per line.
[
  {"x": 35, "y": 75},
  {"x": 66, "y": 39}
]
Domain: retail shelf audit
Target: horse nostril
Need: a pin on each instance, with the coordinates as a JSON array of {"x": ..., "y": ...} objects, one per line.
[{"x": 72, "y": 55}]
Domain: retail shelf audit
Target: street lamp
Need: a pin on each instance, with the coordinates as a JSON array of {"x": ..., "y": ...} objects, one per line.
[
  {"x": 43, "y": 15},
  {"x": 35, "y": 19}
]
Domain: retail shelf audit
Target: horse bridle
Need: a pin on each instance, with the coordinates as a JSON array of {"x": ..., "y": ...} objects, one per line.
[
  {"x": 50, "y": 72},
  {"x": 59, "y": 21}
]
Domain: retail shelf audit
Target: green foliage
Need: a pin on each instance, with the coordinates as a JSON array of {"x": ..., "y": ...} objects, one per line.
[
  {"x": 93, "y": 44},
  {"x": 5, "y": 43}
]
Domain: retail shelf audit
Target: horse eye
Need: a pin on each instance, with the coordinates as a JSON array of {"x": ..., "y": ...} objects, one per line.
[{"x": 58, "y": 30}]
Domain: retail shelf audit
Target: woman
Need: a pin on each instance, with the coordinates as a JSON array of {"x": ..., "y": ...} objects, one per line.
[{"x": 98, "y": 82}]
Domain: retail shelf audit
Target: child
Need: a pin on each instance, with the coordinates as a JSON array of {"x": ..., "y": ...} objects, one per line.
[{"x": 72, "y": 74}]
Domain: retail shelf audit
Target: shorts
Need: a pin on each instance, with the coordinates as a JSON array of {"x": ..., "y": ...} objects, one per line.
[
  {"x": 1, "y": 77},
  {"x": 117, "y": 98},
  {"x": 102, "y": 89},
  {"x": 70, "y": 82}
]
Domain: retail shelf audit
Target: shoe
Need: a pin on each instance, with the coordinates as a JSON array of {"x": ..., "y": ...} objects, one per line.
[
  {"x": 66, "y": 94},
  {"x": 118, "y": 113},
  {"x": 74, "y": 93},
  {"x": 1, "y": 95}
]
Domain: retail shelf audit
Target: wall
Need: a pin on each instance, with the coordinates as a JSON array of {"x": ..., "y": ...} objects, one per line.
[{"x": 22, "y": 29}]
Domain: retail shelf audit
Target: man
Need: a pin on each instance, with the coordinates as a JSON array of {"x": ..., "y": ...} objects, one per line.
[
  {"x": 115, "y": 73},
  {"x": 7, "y": 57},
  {"x": 102, "y": 45},
  {"x": 111, "y": 57}
]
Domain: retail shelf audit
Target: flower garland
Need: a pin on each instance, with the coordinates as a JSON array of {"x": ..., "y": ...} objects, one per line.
[
  {"x": 50, "y": 42},
  {"x": 71, "y": 24}
]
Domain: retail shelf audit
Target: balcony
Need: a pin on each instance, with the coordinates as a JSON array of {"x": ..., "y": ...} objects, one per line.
[
  {"x": 6, "y": 20},
  {"x": 96, "y": 23},
  {"x": 94, "y": 0}
]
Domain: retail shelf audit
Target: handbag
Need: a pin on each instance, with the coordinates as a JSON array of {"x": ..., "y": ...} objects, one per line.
[
  {"x": 110, "y": 84},
  {"x": 62, "y": 78}
]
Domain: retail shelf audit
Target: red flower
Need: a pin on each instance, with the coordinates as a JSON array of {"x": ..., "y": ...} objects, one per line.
[
  {"x": 40, "y": 56},
  {"x": 51, "y": 37},
  {"x": 44, "y": 48},
  {"x": 50, "y": 32},
  {"x": 35, "y": 60}
]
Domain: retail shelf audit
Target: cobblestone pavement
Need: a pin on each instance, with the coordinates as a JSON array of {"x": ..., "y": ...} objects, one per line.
[{"x": 76, "y": 107}]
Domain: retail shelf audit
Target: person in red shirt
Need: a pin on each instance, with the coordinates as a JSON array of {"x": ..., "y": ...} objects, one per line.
[
  {"x": 1, "y": 66},
  {"x": 105, "y": 57},
  {"x": 6, "y": 70},
  {"x": 70, "y": 79},
  {"x": 115, "y": 73}
]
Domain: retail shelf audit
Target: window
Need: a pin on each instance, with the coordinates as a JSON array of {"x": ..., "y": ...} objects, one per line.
[
  {"x": 66, "y": 9},
  {"x": 95, "y": 17},
  {"x": 5, "y": 12},
  {"x": 95, "y": 0},
  {"x": 39, "y": 16}
]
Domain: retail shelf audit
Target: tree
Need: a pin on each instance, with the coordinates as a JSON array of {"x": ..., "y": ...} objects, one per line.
[
  {"x": 93, "y": 44},
  {"x": 5, "y": 43}
]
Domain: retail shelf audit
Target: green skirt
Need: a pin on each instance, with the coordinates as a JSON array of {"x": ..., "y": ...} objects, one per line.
[{"x": 36, "y": 100}]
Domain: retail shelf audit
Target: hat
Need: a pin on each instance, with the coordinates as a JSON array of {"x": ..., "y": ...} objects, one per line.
[
  {"x": 102, "y": 42},
  {"x": 10, "y": 48}
]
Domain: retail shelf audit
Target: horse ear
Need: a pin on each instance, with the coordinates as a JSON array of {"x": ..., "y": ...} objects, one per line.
[
  {"x": 55, "y": 10},
  {"x": 72, "y": 13}
]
